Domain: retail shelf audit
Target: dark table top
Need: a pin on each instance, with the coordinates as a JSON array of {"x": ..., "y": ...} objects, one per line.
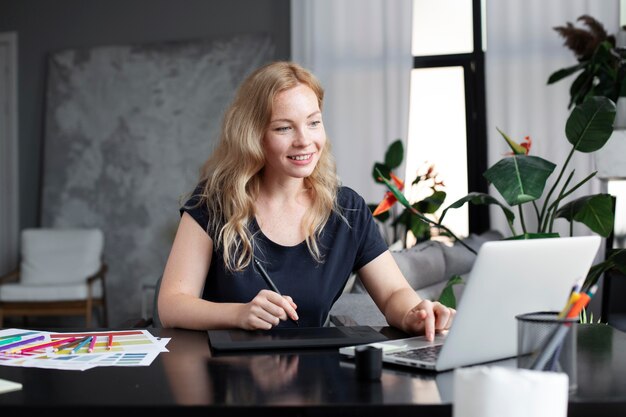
[{"x": 190, "y": 378}]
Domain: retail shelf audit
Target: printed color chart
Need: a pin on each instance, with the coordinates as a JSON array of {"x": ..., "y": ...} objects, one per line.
[{"x": 79, "y": 351}]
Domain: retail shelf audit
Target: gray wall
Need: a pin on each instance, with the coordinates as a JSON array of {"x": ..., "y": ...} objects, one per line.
[{"x": 49, "y": 26}]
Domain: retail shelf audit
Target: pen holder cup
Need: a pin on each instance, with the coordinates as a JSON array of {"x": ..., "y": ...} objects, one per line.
[{"x": 546, "y": 342}]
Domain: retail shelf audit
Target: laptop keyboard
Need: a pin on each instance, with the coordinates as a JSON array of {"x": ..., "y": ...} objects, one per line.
[{"x": 426, "y": 354}]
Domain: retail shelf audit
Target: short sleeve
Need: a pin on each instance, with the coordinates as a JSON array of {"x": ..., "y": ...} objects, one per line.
[
  {"x": 369, "y": 241},
  {"x": 196, "y": 209}
]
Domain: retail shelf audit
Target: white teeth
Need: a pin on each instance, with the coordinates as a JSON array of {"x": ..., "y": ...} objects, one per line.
[{"x": 300, "y": 157}]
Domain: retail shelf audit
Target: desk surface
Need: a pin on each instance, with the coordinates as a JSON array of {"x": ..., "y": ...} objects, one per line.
[{"x": 319, "y": 381}]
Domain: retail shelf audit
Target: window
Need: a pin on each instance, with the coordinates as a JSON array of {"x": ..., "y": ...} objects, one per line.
[{"x": 447, "y": 106}]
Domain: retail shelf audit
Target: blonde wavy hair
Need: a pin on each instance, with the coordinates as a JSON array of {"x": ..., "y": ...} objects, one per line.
[{"x": 231, "y": 175}]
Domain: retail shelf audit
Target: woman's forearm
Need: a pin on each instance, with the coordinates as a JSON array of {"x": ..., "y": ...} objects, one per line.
[
  {"x": 189, "y": 312},
  {"x": 398, "y": 305}
]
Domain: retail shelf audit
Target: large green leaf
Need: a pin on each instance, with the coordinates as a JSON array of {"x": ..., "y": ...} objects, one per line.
[
  {"x": 394, "y": 154},
  {"x": 590, "y": 124},
  {"x": 431, "y": 203},
  {"x": 616, "y": 259},
  {"x": 447, "y": 297},
  {"x": 594, "y": 211},
  {"x": 420, "y": 229},
  {"x": 565, "y": 72},
  {"x": 380, "y": 170},
  {"x": 520, "y": 178},
  {"x": 480, "y": 199}
]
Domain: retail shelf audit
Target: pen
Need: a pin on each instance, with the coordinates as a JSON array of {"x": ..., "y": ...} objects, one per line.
[
  {"x": 92, "y": 344},
  {"x": 110, "y": 342},
  {"x": 573, "y": 297},
  {"x": 80, "y": 344},
  {"x": 559, "y": 334},
  {"x": 269, "y": 282},
  {"x": 22, "y": 342},
  {"x": 582, "y": 302},
  {"x": 45, "y": 345}
]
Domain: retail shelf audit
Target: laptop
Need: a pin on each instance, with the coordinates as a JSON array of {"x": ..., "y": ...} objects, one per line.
[{"x": 509, "y": 277}]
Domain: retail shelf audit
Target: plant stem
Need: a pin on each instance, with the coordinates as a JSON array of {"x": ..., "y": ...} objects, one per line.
[
  {"x": 537, "y": 214},
  {"x": 547, "y": 200},
  {"x": 554, "y": 207},
  {"x": 521, "y": 218},
  {"x": 549, "y": 220},
  {"x": 441, "y": 226}
]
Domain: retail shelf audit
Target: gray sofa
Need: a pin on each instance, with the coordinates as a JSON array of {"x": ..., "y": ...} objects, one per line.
[{"x": 426, "y": 266}]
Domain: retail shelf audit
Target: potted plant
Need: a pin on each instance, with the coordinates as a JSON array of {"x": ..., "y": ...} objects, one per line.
[
  {"x": 601, "y": 70},
  {"x": 601, "y": 63},
  {"x": 521, "y": 179}
]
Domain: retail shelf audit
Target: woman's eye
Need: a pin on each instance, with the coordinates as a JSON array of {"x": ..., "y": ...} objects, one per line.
[
  {"x": 316, "y": 123},
  {"x": 282, "y": 129}
]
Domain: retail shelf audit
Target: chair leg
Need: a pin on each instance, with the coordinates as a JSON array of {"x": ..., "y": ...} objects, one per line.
[
  {"x": 105, "y": 313},
  {"x": 88, "y": 310}
]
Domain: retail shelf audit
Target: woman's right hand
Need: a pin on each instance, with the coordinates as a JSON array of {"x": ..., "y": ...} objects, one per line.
[{"x": 266, "y": 310}]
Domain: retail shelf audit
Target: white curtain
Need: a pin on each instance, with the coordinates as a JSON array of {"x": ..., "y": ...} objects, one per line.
[
  {"x": 523, "y": 50},
  {"x": 361, "y": 52}
]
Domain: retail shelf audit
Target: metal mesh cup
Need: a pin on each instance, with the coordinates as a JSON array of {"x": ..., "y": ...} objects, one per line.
[{"x": 548, "y": 343}]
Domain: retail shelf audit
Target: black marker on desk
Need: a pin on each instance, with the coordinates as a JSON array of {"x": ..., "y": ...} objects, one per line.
[{"x": 269, "y": 282}]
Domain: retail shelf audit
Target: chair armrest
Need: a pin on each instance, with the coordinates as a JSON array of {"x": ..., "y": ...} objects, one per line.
[
  {"x": 98, "y": 275},
  {"x": 12, "y": 276}
]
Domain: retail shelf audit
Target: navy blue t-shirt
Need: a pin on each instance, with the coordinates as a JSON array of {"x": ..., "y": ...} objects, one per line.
[{"x": 313, "y": 286}]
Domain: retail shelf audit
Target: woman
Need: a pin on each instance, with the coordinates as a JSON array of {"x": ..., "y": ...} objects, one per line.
[{"x": 269, "y": 195}]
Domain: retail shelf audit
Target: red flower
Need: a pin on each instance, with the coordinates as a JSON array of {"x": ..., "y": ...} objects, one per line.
[
  {"x": 526, "y": 144},
  {"x": 522, "y": 148},
  {"x": 389, "y": 200}
]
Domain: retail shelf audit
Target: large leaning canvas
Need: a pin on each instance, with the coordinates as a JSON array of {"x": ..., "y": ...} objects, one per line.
[{"x": 127, "y": 130}]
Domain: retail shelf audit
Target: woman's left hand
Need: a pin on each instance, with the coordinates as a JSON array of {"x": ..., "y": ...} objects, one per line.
[{"x": 427, "y": 318}]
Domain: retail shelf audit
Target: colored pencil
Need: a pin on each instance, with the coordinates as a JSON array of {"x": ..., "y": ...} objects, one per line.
[
  {"x": 80, "y": 344},
  {"x": 10, "y": 340},
  {"x": 66, "y": 345},
  {"x": 48, "y": 344},
  {"x": 558, "y": 336},
  {"x": 110, "y": 342},
  {"x": 22, "y": 342},
  {"x": 92, "y": 344},
  {"x": 15, "y": 335}
]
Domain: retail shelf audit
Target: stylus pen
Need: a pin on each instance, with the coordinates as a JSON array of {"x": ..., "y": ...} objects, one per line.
[{"x": 270, "y": 283}]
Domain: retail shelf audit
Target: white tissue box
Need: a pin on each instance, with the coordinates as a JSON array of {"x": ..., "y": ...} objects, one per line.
[{"x": 484, "y": 391}]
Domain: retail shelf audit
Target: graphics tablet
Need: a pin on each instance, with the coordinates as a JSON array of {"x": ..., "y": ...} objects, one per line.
[{"x": 293, "y": 338}]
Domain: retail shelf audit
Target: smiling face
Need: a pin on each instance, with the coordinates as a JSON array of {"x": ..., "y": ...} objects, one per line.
[{"x": 295, "y": 136}]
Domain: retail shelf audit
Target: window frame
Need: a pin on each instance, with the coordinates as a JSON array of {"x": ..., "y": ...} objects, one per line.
[{"x": 473, "y": 65}]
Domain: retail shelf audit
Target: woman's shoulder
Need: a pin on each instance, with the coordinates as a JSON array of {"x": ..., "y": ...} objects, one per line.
[
  {"x": 194, "y": 197},
  {"x": 348, "y": 198}
]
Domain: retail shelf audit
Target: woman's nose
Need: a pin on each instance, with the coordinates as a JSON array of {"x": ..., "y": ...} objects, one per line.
[{"x": 302, "y": 138}]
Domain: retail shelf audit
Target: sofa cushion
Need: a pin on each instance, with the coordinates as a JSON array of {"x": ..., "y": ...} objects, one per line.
[{"x": 422, "y": 265}]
